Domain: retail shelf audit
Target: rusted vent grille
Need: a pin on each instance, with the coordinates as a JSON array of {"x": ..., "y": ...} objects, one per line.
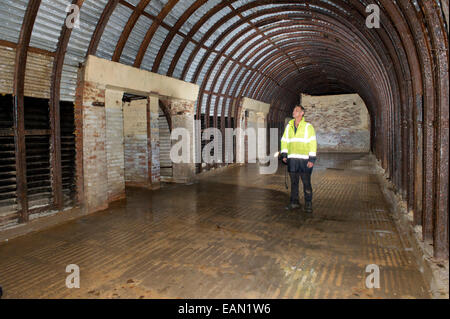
[
  {"x": 38, "y": 171},
  {"x": 6, "y": 112},
  {"x": 221, "y": 145},
  {"x": 37, "y": 143},
  {"x": 68, "y": 153},
  {"x": 8, "y": 187}
]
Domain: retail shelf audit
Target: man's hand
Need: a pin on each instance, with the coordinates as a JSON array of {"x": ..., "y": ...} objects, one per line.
[
  {"x": 285, "y": 160},
  {"x": 310, "y": 164}
]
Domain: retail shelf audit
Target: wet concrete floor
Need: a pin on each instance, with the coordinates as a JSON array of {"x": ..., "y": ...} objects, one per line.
[{"x": 226, "y": 236}]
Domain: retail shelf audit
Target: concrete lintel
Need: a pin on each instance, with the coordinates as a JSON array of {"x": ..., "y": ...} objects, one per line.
[
  {"x": 130, "y": 79},
  {"x": 255, "y": 106}
]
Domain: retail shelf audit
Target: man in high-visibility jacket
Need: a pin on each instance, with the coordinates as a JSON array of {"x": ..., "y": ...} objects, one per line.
[{"x": 299, "y": 151}]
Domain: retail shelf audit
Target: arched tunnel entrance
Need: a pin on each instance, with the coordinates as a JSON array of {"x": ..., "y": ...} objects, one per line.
[{"x": 372, "y": 76}]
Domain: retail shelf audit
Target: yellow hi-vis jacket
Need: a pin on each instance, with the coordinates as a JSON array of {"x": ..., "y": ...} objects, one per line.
[{"x": 301, "y": 145}]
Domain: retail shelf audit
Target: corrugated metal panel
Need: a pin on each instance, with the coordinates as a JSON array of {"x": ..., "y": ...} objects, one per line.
[
  {"x": 241, "y": 83},
  {"x": 155, "y": 6},
  {"x": 325, "y": 10},
  {"x": 220, "y": 106},
  {"x": 7, "y": 58},
  {"x": 331, "y": 3},
  {"x": 240, "y": 3},
  {"x": 238, "y": 77},
  {"x": 169, "y": 54},
  {"x": 113, "y": 31},
  {"x": 49, "y": 21},
  {"x": 218, "y": 152},
  {"x": 222, "y": 29},
  {"x": 299, "y": 34},
  {"x": 254, "y": 82},
  {"x": 235, "y": 69},
  {"x": 198, "y": 14},
  {"x": 78, "y": 44},
  {"x": 183, "y": 59},
  {"x": 177, "y": 11},
  {"x": 204, "y": 101},
  {"x": 38, "y": 75},
  {"x": 153, "y": 49},
  {"x": 285, "y": 42},
  {"x": 242, "y": 40},
  {"x": 270, "y": 6},
  {"x": 232, "y": 34},
  {"x": 286, "y": 30},
  {"x": 232, "y": 47},
  {"x": 254, "y": 48},
  {"x": 222, "y": 76},
  {"x": 211, "y": 105},
  {"x": 262, "y": 59},
  {"x": 274, "y": 64},
  {"x": 134, "y": 2},
  {"x": 210, "y": 23},
  {"x": 227, "y": 107},
  {"x": 190, "y": 74},
  {"x": 246, "y": 45},
  {"x": 214, "y": 72},
  {"x": 205, "y": 68},
  {"x": 135, "y": 39},
  {"x": 11, "y": 16}
]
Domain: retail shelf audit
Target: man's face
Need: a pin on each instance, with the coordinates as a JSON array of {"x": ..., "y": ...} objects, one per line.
[{"x": 298, "y": 113}]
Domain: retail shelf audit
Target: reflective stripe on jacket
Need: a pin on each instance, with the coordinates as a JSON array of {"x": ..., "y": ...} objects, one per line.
[{"x": 303, "y": 144}]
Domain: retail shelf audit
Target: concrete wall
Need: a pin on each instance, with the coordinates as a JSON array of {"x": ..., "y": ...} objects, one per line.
[
  {"x": 257, "y": 118},
  {"x": 95, "y": 170},
  {"x": 120, "y": 76},
  {"x": 115, "y": 144},
  {"x": 182, "y": 115},
  {"x": 154, "y": 143},
  {"x": 342, "y": 122},
  {"x": 135, "y": 142},
  {"x": 119, "y": 143}
]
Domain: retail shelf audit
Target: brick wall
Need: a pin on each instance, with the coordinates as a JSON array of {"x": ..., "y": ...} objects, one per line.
[
  {"x": 182, "y": 114},
  {"x": 136, "y": 143},
  {"x": 341, "y": 122},
  {"x": 179, "y": 107},
  {"x": 117, "y": 143},
  {"x": 94, "y": 147},
  {"x": 154, "y": 142},
  {"x": 114, "y": 145}
]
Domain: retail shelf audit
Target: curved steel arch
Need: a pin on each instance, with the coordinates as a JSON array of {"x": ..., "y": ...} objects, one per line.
[{"x": 407, "y": 75}]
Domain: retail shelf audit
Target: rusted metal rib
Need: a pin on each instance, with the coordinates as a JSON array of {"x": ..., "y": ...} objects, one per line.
[
  {"x": 101, "y": 25},
  {"x": 175, "y": 30},
  {"x": 440, "y": 45},
  {"x": 19, "y": 112},
  {"x": 149, "y": 35},
  {"x": 137, "y": 12},
  {"x": 55, "y": 124}
]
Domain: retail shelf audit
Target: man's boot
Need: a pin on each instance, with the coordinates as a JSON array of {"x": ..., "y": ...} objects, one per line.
[
  {"x": 292, "y": 206},
  {"x": 308, "y": 207}
]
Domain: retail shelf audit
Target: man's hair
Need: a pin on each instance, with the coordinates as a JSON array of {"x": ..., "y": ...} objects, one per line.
[{"x": 301, "y": 107}]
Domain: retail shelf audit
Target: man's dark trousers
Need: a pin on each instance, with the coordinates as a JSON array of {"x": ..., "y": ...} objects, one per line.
[{"x": 298, "y": 168}]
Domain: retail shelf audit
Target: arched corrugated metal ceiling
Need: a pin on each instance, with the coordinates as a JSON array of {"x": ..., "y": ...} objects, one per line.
[
  {"x": 271, "y": 51},
  {"x": 267, "y": 50}
]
